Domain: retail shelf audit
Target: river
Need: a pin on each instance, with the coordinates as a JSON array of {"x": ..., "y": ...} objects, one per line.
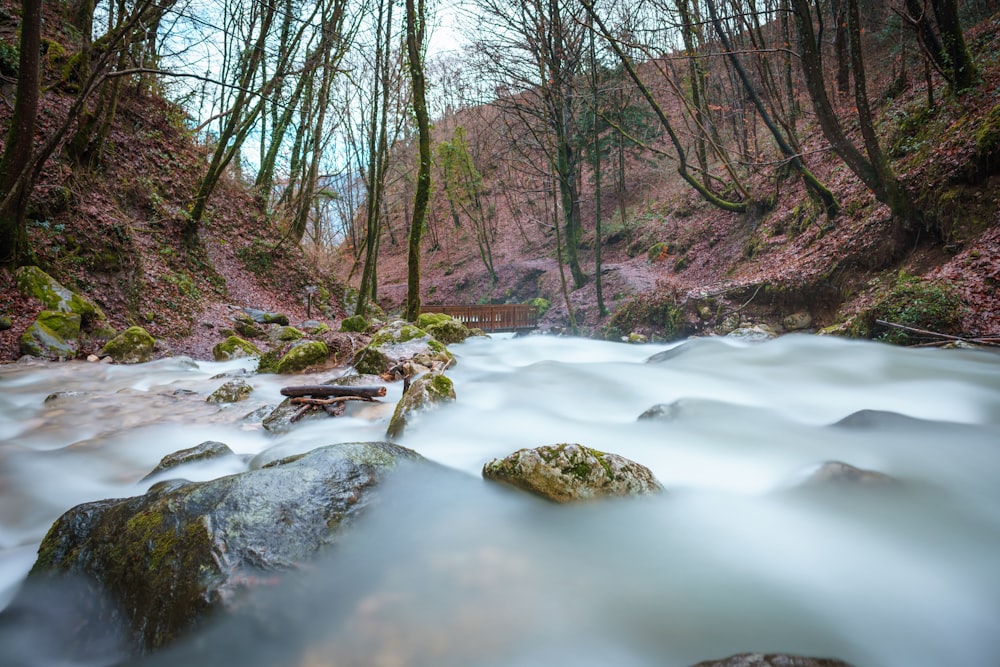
[{"x": 459, "y": 571}]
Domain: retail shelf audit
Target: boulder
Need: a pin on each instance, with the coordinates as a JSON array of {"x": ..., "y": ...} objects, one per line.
[
  {"x": 209, "y": 449},
  {"x": 132, "y": 346},
  {"x": 772, "y": 660},
  {"x": 286, "y": 334},
  {"x": 571, "y": 472},
  {"x": 443, "y": 328},
  {"x": 32, "y": 281},
  {"x": 302, "y": 356},
  {"x": 235, "y": 347},
  {"x": 232, "y": 391},
  {"x": 5, "y": 323},
  {"x": 264, "y": 317},
  {"x": 354, "y": 324},
  {"x": 185, "y": 550},
  {"x": 425, "y": 393},
  {"x": 797, "y": 321},
  {"x": 398, "y": 342},
  {"x": 52, "y": 336}
]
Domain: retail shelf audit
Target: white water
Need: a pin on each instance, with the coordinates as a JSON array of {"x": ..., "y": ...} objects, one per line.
[{"x": 451, "y": 570}]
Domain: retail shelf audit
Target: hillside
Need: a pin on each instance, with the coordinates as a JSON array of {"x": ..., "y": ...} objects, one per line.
[
  {"x": 672, "y": 247},
  {"x": 113, "y": 232}
]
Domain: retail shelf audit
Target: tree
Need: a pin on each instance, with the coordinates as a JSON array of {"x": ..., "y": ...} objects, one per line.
[
  {"x": 14, "y": 246},
  {"x": 946, "y": 47},
  {"x": 463, "y": 189},
  {"x": 534, "y": 52},
  {"x": 415, "y": 25},
  {"x": 873, "y": 169}
]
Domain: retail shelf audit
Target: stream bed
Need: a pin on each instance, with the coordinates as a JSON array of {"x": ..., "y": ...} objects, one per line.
[{"x": 451, "y": 570}]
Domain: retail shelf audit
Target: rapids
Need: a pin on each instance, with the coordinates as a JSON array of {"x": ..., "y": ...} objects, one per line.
[{"x": 451, "y": 570}]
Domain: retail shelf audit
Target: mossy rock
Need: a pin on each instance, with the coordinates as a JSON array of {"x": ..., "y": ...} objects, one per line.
[
  {"x": 235, "y": 347},
  {"x": 264, "y": 317},
  {"x": 287, "y": 334},
  {"x": 398, "y": 342},
  {"x": 301, "y": 357},
  {"x": 231, "y": 392},
  {"x": 32, "y": 281},
  {"x": 132, "y": 346},
  {"x": 425, "y": 393},
  {"x": 248, "y": 329},
  {"x": 354, "y": 324},
  {"x": 443, "y": 328},
  {"x": 52, "y": 336},
  {"x": 571, "y": 472},
  {"x": 187, "y": 551},
  {"x": 64, "y": 325},
  {"x": 5, "y": 323}
]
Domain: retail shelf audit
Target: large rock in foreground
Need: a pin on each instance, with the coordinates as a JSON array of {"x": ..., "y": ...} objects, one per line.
[
  {"x": 568, "y": 473},
  {"x": 183, "y": 550},
  {"x": 772, "y": 660}
]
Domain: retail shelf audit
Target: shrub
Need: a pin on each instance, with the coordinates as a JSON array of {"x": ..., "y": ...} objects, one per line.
[{"x": 912, "y": 302}]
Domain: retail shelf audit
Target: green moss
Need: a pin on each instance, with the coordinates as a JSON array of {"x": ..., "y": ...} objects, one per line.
[
  {"x": 425, "y": 320},
  {"x": 132, "y": 346},
  {"x": 32, "y": 281},
  {"x": 303, "y": 356},
  {"x": 288, "y": 334},
  {"x": 913, "y": 302},
  {"x": 355, "y": 324},
  {"x": 235, "y": 347}
]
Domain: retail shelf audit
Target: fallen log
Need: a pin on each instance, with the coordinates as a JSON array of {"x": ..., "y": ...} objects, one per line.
[{"x": 319, "y": 390}]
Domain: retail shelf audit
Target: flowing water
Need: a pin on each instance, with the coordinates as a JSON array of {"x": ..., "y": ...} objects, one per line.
[{"x": 451, "y": 570}]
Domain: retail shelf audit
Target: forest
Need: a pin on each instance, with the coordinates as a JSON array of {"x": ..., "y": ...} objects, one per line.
[{"x": 650, "y": 167}]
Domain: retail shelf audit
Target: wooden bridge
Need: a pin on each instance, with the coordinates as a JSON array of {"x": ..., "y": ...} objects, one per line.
[{"x": 491, "y": 317}]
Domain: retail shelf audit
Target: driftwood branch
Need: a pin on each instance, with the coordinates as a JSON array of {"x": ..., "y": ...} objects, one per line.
[
  {"x": 935, "y": 334},
  {"x": 331, "y": 398},
  {"x": 307, "y": 400},
  {"x": 320, "y": 390}
]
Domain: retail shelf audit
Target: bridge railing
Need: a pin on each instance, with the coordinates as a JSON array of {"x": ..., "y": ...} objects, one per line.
[{"x": 491, "y": 317}]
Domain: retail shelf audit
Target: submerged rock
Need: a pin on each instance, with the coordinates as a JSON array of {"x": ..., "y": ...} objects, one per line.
[
  {"x": 772, "y": 660},
  {"x": 209, "y": 449},
  {"x": 838, "y": 473},
  {"x": 132, "y": 346},
  {"x": 231, "y": 392},
  {"x": 571, "y": 472},
  {"x": 757, "y": 333},
  {"x": 427, "y": 392},
  {"x": 170, "y": 558}
]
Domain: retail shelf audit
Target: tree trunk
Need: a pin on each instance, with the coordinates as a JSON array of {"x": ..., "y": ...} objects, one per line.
[
  {"x": 414, "y": 45},
  {"x": 15, "y": 248}
]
